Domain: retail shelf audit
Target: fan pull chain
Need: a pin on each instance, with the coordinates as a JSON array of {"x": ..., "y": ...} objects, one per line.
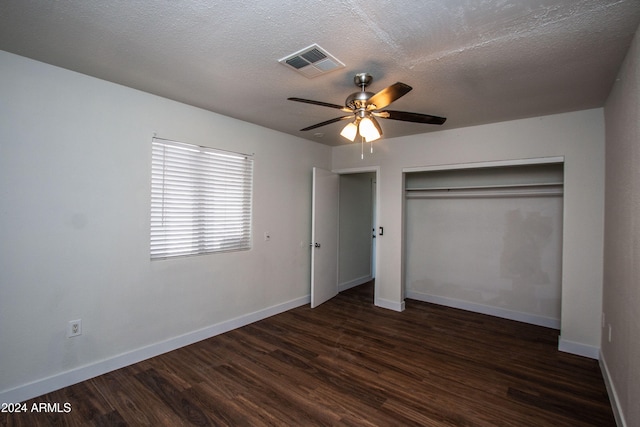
[{"x": 362, "y": 148}]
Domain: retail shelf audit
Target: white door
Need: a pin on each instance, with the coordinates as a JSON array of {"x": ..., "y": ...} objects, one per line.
[{"x": 324, "y": 236}]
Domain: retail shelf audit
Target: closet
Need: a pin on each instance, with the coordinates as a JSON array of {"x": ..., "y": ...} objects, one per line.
[{"x": 487, "y": 239}]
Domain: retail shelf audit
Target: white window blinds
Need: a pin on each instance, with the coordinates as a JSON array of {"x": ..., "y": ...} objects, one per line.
[{"x": 200, "y": 200}]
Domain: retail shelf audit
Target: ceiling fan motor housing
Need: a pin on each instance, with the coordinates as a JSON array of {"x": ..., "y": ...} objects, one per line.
[{"x": 358, "y": 100}]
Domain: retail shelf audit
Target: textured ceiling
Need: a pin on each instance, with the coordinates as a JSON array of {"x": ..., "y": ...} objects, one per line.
[{"x": 472, "y": 61}]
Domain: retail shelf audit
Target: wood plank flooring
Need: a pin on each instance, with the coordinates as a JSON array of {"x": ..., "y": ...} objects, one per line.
[{"x": 349, "y": 363}]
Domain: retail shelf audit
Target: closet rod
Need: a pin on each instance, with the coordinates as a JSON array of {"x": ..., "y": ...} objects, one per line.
[
  {"x": 481, "y": 187},
  {"x": 466, "y": 194}
]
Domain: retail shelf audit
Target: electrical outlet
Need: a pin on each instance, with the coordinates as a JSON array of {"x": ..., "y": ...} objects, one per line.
[{"x": 74, "y": 328}]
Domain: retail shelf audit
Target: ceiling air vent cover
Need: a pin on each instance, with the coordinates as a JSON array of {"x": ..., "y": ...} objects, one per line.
[{"x": 312, "y": 61}]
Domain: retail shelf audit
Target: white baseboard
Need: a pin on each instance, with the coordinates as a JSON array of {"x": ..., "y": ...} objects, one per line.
[
  {"x": 486, "y": 309},
  {"x": 578, "y": 349},
  {"x": 353, "y": 283},
  {"x": 613, "y": 395},
  {"x": 83, "y": 373},
  {"x": 389, "y": 305}
]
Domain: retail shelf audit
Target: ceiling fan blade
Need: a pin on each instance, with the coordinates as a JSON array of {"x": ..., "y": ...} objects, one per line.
[
  {"x": 406, "y": 116},
  {"x": 320, "y": 103},
  {"x": 328, "y": 122},
  {"x": 387, "y": 95}
]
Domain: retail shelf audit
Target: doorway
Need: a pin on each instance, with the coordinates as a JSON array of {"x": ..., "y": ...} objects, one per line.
[
  {"x": 356, "y": 229},
  {"x": 334, "y": 269}
]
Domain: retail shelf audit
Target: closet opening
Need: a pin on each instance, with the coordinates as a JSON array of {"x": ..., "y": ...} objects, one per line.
[{"x": 487, "y": 238}]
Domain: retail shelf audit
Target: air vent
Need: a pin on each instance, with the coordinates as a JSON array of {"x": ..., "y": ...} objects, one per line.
[{"x": 312, "y": 61}]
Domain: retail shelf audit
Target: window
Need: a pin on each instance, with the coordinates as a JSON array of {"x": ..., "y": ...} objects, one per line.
[{"x": 200, "y": 200}]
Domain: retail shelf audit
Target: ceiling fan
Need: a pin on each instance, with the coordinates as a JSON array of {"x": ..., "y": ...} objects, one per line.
[{"x": 364, "y": 107}]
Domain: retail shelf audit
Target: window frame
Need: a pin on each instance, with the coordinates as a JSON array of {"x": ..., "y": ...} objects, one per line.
[{"x": 201, "y": 200}]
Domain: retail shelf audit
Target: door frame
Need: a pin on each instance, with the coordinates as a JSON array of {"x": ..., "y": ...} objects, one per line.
[{"x": 376, "y": 170}]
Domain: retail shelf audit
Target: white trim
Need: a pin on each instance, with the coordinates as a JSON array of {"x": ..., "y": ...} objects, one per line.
[
  {"x": 353, "y": 283},
  {"x": 613, "y": 395},
  {"x": 83, "y": 373},
  {"x": 504, "y": 313},
  {"x": 496, "y": 163},
  {"x": 578, "y": 349},
  {"x": 389, "y": 305},
  {"x": 363, "y": 169}
]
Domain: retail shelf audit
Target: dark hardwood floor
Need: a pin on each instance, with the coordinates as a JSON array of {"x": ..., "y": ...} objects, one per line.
[{"x": 349, "y": 363}]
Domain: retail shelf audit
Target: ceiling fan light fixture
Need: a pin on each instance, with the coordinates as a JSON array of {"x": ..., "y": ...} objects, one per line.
[
  {"x": 368, "y": 130},
  {"x": 350, "y": 131}
]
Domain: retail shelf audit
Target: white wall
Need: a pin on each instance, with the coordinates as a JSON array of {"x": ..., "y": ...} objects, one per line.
[
  {"x": 74, "y": 228},
  {"x": 621, "y": 298},
  {"x": 578, "y": 136}
]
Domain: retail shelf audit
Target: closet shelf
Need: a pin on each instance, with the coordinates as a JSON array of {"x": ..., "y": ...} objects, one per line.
[
  {"x": 487, "y": 187},
  {"x": 487, "y": 191}
]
